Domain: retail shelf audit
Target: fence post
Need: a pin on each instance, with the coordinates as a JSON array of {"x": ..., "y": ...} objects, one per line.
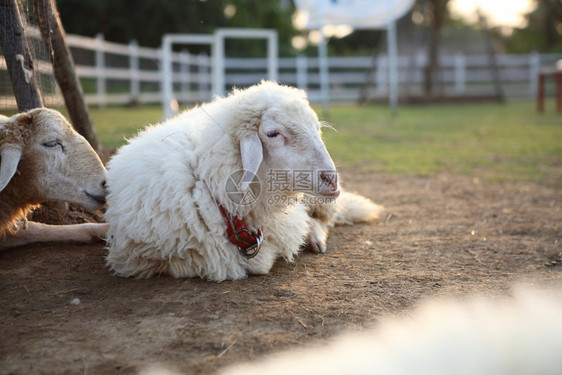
[
  {"x": 272, "y": 57},
  {"x": 534, "y": 67},
  {"x": 381, "y": 76},
  {"x": 167, "y": 71},
  {"x": 100, "y": 71},
  {"x": 203, "y": 76},
  {"x": 302, "y": 71},
  {"x": 421, "y": 62},
  {"x": 460, "y": 73},
  {"x": 217, "y": 55},
  {"x": 184, "y": 72},
  {"x": 134, "y": 70},
  {"x": 393, "y": 70},
  {"x": 324, "y": 71}
]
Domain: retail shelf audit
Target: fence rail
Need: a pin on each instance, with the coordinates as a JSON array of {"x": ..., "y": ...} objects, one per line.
[{"x": 113, "y": 73}]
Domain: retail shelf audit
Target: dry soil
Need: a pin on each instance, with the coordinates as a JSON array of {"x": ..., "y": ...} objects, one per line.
[{"x": 443, "y": 235}]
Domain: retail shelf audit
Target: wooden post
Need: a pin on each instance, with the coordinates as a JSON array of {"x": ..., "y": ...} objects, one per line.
[
  {"x": 558, "y": 75},
  {"x": 540, "y": 94},
  {"x": 18, "y": 58},
  {"x": 53, "y": 36}
]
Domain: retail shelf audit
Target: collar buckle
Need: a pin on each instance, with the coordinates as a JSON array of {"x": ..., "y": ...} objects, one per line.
[
  {"x": 248, "y": 243},
  {"x": 252, "y": 250}
]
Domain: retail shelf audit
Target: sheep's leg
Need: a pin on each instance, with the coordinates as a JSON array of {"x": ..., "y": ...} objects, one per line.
[
  {"x": 262, "y": 263},
  {"x": 37, "y": 232},
  {"x": 321, "y": 217},
  {"x": 317, "y": 236},
  {"x": 284, "y": 235}
]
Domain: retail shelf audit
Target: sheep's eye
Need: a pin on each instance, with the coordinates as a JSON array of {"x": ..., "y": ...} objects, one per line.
[
  {"x": 272, "y": 134},
  {"x": 53, "y": 143}
]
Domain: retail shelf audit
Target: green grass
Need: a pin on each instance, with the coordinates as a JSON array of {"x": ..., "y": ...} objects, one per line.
[
  {"x": 115, "y": 124},
  {"x": 499, "y": 142},
  {"x": 510, "y": 141}
]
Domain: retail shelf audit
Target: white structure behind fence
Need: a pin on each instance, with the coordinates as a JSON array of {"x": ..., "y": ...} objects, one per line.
[
  {"x": 216, "y": 43},
  {"x": 114, "y": 73}
]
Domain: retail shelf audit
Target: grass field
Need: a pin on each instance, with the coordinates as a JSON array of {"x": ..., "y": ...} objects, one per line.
[
  {"x": 493, "y": 141},
  {"x": 499, "y": 142}
]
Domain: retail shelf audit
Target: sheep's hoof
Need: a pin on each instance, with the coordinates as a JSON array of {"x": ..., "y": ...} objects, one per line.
[
  {"x": 317, "y": 240},
  {"x": 317, "y": 247},
  {"x": 96, "y": 231}
]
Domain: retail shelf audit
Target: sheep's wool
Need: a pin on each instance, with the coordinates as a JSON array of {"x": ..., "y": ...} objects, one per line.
[
  {"x": 484, "y": 336},
  {"x": 164, "y": 186}
]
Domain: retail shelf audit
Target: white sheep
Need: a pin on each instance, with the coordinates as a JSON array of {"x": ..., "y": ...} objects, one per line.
[
  {"x": 479, "y": 336},
  {"x": 167, "y": 187},
  {"x": 42, "y": 158}
]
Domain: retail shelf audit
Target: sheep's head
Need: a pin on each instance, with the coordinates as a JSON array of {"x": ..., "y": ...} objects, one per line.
[
  {"x": 288, "y": 144},
  {"x": 43, "y": 158}
]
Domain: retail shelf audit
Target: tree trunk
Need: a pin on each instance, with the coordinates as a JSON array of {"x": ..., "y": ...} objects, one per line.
[
  {"x": 491, "y": 52},
  {"x": 438, "y": 11},
  {"x": 18, "y": 58},
  {"x": 53, "y": 35}
]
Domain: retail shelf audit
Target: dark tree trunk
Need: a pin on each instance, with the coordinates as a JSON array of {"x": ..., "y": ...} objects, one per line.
[
  {"x": 53, "y": 35},
  {"x": 438, "y": 14},
  {"x": 491, "y": 52},
  {"x": 18, "y": 57}
]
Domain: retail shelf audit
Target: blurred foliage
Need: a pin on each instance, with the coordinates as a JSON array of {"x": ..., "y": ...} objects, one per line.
[
  {"x": 147, "y": 20},
  {"x": 359, "y": 42},
  {"x": 543, "y": 32}
]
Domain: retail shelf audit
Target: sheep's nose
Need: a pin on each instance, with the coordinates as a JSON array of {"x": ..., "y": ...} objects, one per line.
[{"x": 330, "y": 179}]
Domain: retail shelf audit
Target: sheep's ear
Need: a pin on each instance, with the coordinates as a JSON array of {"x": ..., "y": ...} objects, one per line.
[
  {"x": 10, "y": 157},
  {"x": 251, "y": 151},
  {"x": 11, "y": 148}
]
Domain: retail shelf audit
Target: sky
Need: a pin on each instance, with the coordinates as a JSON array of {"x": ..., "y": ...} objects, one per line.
[{"x": 506, "y": 13}]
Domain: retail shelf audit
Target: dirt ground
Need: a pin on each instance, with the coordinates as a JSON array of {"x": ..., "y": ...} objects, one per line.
[{"x": 63, "y": 312}]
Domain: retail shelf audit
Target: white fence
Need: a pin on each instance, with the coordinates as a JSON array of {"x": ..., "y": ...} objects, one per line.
[{"x": 114, "y": 73}]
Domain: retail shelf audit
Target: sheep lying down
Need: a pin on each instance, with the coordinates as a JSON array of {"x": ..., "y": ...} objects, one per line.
[
  {"x": 223, "y": 190},
  {"x": 42, "y": 158}
]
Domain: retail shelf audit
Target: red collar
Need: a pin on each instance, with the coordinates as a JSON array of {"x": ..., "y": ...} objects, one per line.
[{"x": 248, "y": 243}]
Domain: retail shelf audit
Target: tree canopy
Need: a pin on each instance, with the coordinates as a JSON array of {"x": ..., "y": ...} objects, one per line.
[
  {"x": 543, "y": 32},
  {"x": 147, "y": 20}
]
